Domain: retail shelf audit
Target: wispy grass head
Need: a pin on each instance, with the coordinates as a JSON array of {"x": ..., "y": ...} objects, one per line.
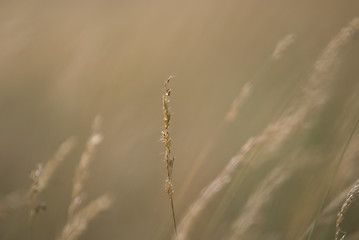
[{"x": 166, "y": 139}]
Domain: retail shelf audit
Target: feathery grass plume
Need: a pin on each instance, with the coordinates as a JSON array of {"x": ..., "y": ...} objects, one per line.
[
  {"x": 82, "y": 171},
  {"x": 78, "y": 223},
  {"x": 41, "y": 175},
  {"x": 282, "y": 46},
  {"x": 35, "y": 176},
  {"x": 317, "y": 88},
  {"x": 330, "y": 58},
  {"x": 238, "y": 101},
  {"x": 315, "y": 95},
  {"x": 352, "y": 197},
  {"x": 256, "y": 202},
  {"x": 166, "y": 140}
]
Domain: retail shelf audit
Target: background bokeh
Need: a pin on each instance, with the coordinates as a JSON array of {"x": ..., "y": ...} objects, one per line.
[{"x": 64, "y": 62}]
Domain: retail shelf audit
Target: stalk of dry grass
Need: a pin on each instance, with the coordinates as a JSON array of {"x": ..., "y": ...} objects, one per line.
[
  {"x": 41, "y": 176},
  {"x": 82, "y": 171},
  {"x": 238, "y": 101},
  {"x": 282, "y": 46},
  {"x": 315, "y": 94},
  {"x": 351, "y": 197},
  {"x": 78, "y": 223},
  {"x": 78, "y": 220},
  {"x": 329, "y": 60},
  {"x": 166, "y": 140}
]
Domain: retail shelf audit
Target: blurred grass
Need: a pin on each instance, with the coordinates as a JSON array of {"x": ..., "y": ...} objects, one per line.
[{"x": 62, "y": 63}]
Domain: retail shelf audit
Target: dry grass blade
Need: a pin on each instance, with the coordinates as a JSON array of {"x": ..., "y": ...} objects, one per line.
[
  {"x": 79, "y": 222},
  {"x": 42, "y": 175},
  {"x": 238, "y": 101},
  {"x": 282, "y": 46},
  {"x": 82, "y": 169},
  {"x": 166, "y": 139},
  {"x": 352, "y": 197},
  {"x": 329, "y": 59}
]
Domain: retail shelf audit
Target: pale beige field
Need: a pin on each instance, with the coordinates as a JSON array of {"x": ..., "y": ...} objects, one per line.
[{"x": 62, "y": 63}]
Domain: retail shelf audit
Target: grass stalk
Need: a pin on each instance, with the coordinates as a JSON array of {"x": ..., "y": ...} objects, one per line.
[
  {"x": 166, "y": 140},
  {"x": 82, "y": 171}
]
